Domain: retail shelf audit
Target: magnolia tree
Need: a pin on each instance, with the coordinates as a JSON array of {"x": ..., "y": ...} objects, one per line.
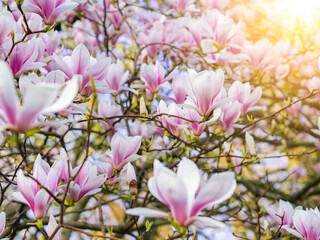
[{"x": 175, "y": 119}]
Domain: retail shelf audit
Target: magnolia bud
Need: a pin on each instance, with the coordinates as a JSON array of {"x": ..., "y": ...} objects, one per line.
[
  {"x": 132, "y": 179},
  {"x": 250, "y": 144},
  {"x": 143, "y": 108}
]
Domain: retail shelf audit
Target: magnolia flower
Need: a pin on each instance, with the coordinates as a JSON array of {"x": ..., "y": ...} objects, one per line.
[
  {"x": 202, "y": 89},
  {"x": 49, "y": 10},
  {"x": 198, "y": 126},
  {"x": 53, "y": 77},
  {"x": 123, "y": 150},
  {"x": 174, "y": 123},
  {"x": 153, "y": 76},
  {"x": 86, "y": 183},
  {"x": 80, "y": 62},
  {"x": 31, "y": 193},
  {"x": 242, "y": 93},
  {"x": 306, "y": 223},
  {"x": 24, "y": 57},
  {"x": 39, "y": 99},
  {"x": 7, "y": 24},
  {"x": 51, "y": 228},
  {"x": 283, "y": 215},
  {"x": 182, "y": 6},
  {"x": 260, "y": 54},
  {"x": 178, "y": 89},
  {"x": 186, "y": 194},
  {"x": 250, "y": 144},
  {"x": 153, "y": 39},
  {"x": 116, "y": 77},
  {"x": 229, "y": 115},
  {"x": 2, "y": 221}
]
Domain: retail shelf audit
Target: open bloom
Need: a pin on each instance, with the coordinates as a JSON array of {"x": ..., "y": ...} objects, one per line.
[
  {"x": 49, "y": 10},
  {"x": 186, "y": 194},
  {"x": 202, "y": 89},
  {"x": 306, "y": 223},
  {"x": 80, "y": 62},
  {"x": 153, "y": 76},
  {"x": 174, "y": 123},
  {"x": 241, "y": 92},
  {"x": 39, "y": 99},
  {"x": 33, "y": 195},
  {"x": 86, "y": 183},
  {"x": 123, "y": 150},
  {"x": 283, "y": 215},
  {"x": 25, "y": 57}
]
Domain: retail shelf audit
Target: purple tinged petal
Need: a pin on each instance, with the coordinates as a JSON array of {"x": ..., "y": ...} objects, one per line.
[
  {"x": 40, "y": 204},
  {"x": 188, "y": 172},
  {"x": 131, "y": 173},
  {"x": 174, "y": 191},
  {"x": 63, "y": 66},
  {"x": 147, "y": 212},
  {"x": 60, "y": 10},
  {"x": 202, "y": 222},
  {"x": 51, "y": 228},
  {"x": 2, "y": 221},
  {"x": 38, "y": 98},
  {"x": 218, "y": 188},
  {"x": 24, "y": 187},
  {"x": 74, "y": 191},
  {"x": 17, "y": 196},
  {"x": 66, "y": 98},
  {"x": 8, "y": 95},
  {"x": 80, "y": 59}
]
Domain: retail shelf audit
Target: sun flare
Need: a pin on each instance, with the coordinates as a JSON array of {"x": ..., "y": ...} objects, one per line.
[{"x": 303, "y": 10}]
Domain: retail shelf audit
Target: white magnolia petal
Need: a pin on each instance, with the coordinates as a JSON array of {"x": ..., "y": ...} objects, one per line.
[{"x": 147, "y": 212}]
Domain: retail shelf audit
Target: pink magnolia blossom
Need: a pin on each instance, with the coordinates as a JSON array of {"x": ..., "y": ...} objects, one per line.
[
  {"x": 30, "y": 193},
  {"x": 24, "y": 57},
  {"x": 123, "y": 150},
  {"x": 49, "y": 10},
  {"x": 260, "y": 55},
  {"x": 86, "y": 183},
  {"x": 154, "y": 76},
  {"x": 80, "y": 62},
  {"x": 108, "y": 109},
  {"x": 202, "y": 97},
  {"x": 53, "y": 77},
  {"x": 198, "y": 126},
  {"x": 174, "y": 124},
  {"x": 2, "y": 221},
  {"x": 7, "y": 24},
  {"x": 306, "y": 223},
  {"x": 116, "y": 77},
  {"x": 178, "y": 89},
  {"x": 284, "y": 210},
  {"x": 229, "y": 115},
  {"x": 106, "y": 168},
  {"x": 218, "y": 4},
  {"x": 182, "y": 6},
  {"x": 153, "y": 39},
  {"x": 241, "y": 92},
  {"x": 186, "y": 194},
  {"x": 237, "y": 160},
  {"x": 51, "y": 228},
  {"x": 220, "y": 28},
  {"x": 39, "y": 99}
]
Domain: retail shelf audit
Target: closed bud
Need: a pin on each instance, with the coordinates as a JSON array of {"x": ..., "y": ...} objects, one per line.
[
  {"x": 143, "y": 108},
  {"x": 250, "y": 144}
]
